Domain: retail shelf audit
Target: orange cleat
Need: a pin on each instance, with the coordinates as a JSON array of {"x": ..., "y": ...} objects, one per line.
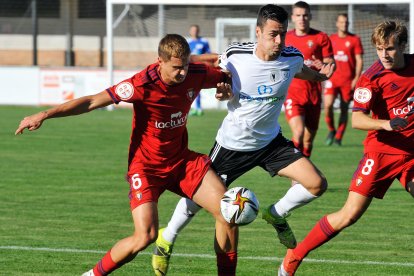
[{"x": 289, "y": 265}]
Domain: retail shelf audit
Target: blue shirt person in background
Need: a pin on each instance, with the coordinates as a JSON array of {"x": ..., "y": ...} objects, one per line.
[{"x": 198, "y": 46}]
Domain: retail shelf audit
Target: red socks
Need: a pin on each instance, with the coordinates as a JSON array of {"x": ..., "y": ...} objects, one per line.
[
  {"x": 320, "y": 234},
  {"x": 226, "y": 263},
  {"x": 105, "y": 266}
]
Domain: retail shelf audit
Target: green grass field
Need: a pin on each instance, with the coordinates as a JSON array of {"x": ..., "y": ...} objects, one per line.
[{"x": 64, "y": 203}]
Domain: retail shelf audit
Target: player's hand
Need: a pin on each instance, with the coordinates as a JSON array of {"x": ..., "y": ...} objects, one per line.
[
  {"x": 316, "y": 63},
  {"x": 398, "y": 123},
  {"x": 32, "y": 122},
  {"x": 327, "y": 70},
  {"x": 223, "y": 91}
]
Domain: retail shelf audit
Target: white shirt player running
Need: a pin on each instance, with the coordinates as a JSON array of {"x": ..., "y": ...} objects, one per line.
[{"x": 259, "y": 88}]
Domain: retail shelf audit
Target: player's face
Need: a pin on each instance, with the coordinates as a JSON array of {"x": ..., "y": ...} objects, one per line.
[
  {"x": 301, "y": 19},
  {"x": 194, "y": 32},
  {"x": 271, "y": 40},
  {"x": 174, "y": 71},
  {"x": 342, "y": 24},
  {"x": 391, "y": 54}
]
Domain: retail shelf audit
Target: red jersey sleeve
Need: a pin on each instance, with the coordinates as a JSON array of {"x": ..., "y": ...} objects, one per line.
[
  {"x": 128, "y": 90},
  {"x": 359, "y": 50},
  {"x": 363, "y": 96},
  {"x": 326, "y": 46}
]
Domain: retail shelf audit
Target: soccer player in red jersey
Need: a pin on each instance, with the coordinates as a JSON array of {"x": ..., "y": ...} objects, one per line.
[
  {"x": 348, "y": 52},
  {"x": 385, "y": 90},
  {"x": 159, "y": 157},
  {"x": 303, "y": 103}
]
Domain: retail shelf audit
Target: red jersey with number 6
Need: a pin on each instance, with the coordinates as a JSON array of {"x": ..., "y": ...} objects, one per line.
[
  {"x": 159, "y": 134},
  {"x": 384, "y": 93}
]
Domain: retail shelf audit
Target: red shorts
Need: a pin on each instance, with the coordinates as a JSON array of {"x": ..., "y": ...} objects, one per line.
[
  {"x": 376, "y": 172},
  {"x": 304, "y": 101},
  {"x": 183, "y": 178},
  {"x": 344, "y": 90}
]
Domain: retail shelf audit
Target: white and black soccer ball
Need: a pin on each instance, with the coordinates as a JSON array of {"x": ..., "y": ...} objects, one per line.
[{"x": 239, "y": 205}]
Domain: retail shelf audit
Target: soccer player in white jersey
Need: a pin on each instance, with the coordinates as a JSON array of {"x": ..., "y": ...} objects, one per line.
[{"x": 250, "y": 134}]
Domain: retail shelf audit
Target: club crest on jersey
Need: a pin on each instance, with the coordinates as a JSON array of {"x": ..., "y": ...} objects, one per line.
[
  {"x": 347, "y": 44},
  {"x": 279, "y": 75},
  {"x": 362, "y": 95},
  {"x": 191, "y": 94},
  {"x": 310, "y": 43},
  {"x": 124, "y": 90}
]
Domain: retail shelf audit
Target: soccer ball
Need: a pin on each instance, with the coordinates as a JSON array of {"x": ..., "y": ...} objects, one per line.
[{"x": 239, "y": 206}]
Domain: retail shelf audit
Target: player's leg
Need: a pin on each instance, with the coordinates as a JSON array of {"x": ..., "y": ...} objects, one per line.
[
  {"x": 295, "y": 116},
  {"x": 327, "y": 228},
  {"x": 328, "y": 103},
  {"x": 208, "y": 196},
  {"x": 297, "y": 126},
  {"x": 346, "y": 98},
  {"x": 312, "y": 115},
  {"x": 284, "y": 159},
  {"x": 145, "y": 217}
]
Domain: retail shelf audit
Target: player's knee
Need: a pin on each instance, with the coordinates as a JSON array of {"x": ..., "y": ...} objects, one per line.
[{"x": 410, "y": 188}]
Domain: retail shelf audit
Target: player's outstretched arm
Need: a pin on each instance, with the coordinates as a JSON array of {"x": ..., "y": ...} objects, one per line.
[
  {"x": 363, "y": 121},
  {"x": 73, "y": 107},
  {"x": 209, "y": 59},
  {"x": 324, "y": 73}
]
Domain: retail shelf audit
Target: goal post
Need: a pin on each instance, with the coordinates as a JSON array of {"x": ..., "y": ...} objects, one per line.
[{"x": 141, "y": 23}]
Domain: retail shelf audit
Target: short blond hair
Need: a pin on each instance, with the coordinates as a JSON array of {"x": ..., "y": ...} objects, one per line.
[
  {"x": 386, "y": 30},
  {"x": 173, "y": 45}
]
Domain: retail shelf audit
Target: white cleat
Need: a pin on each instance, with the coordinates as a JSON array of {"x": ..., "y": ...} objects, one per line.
[{"x": 89, "y": 273}]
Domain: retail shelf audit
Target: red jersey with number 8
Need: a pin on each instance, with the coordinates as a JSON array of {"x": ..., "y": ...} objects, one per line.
[{"x": 384, "y": 93}]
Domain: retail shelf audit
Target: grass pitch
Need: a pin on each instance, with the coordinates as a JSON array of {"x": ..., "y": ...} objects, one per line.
[{"x": 64, "y": 203}]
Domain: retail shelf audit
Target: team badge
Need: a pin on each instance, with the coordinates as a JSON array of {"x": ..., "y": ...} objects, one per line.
[
  {"x": 359, "y": 181},
  {"x": 310, "y": 43},
  {"x": 347, "y": 44},
  {"x": 362, "y": 95},
  {"x": 190, "y": 94},
  {"x": 124, "y": 90},
  {"x": 279, "y": 75}
]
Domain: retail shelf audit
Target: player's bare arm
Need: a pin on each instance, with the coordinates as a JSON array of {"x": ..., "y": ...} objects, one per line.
[
  {"x": 363, "y": 121},
  {"x": 324, "y": 74},
  {"x": 73, "y": 107},
  {"x": 358, "y": 70},
  {"x": 209, "y": 59}
]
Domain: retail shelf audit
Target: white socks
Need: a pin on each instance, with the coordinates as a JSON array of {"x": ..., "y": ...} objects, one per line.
[
  {"x": 183, "y": 213},
  {"x": 295, "y": 197}
]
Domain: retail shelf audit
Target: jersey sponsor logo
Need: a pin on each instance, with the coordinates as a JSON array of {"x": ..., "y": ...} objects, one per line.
[
  {"x": 266, "y": 99},
  {"x": 190, "y": 94},
  {"x": 341, "y": 56},
  {"x": 176, "y": 120},
  {"x": 362, "y": 95},
  {"x": 124, "y": 90},
  {"x": 401, "y": 111}
]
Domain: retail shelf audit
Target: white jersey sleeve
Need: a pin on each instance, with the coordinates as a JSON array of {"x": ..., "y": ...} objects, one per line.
[{"x": 259, "y": 88}]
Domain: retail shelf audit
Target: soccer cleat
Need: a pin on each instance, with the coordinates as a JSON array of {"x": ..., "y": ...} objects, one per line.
[
  {"x": 284, "y": 233},
  {"x": 330, "y": 138},
  {"x": 89, "y": 273},
  {"x": 161, "y": 255},
  {"x": 289, "y": 265},
  {"x": 338, "y": 142}
]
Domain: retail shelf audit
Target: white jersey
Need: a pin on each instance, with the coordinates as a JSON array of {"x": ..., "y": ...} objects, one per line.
[{"x": 259, "y": 88}]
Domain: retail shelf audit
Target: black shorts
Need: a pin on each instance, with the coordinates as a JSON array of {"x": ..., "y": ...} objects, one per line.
[{"x": 230, "y": 164}]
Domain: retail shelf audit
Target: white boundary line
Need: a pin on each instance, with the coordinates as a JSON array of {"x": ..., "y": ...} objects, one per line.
[{"x": 207, "y": 256}]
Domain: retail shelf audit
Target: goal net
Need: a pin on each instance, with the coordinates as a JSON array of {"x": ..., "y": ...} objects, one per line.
[{"x": 135, "y": 27}]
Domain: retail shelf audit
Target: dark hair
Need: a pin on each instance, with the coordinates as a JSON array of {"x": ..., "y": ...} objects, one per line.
[
  {"x": 302, "y": 5},
  {"x": 173, "y": 45},
  {"x": 272, "y": 12}
]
